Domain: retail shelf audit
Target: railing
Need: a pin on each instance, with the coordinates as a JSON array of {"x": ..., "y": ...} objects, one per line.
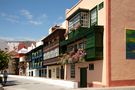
[
  {"x": 51, "y": 61},
  {"x": 37, "y": 66},
  {"x": 38, "y": 56},
  {"x": 52, "y": 44}
]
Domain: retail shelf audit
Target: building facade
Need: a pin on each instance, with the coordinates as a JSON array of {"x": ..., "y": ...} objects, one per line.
[
  {"x": 84, "y": 44},
  {"x": 51, "y": 53},
  {"x": 35, "y": 61},
  {"x": 109, "y": 43},
  {"x": 97, "y": 48}
]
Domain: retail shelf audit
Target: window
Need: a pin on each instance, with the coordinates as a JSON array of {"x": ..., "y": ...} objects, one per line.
[
  {"x": 81, "y": 45},
  {"x": 80, "y": 19},
  {"x": 84, "y": 45},
  {"x": 84, "y": 19},
  {"x": 75, "y": 47},
  {"x": 93, "y": 16},
  {"x": 91, "y": 66},
  {"x": 72, "y": 70},
  {"x": 74, "y": 22},
  {"x": 56, "y": 51},
  {"x": 101, "y": 5},
  {"x": 44, "y": 57}
]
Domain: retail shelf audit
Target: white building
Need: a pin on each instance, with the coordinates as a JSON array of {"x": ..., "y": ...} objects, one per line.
[{"x": 3, "y": 45}]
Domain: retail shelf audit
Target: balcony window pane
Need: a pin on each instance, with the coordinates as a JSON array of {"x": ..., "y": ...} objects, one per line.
[
  {"x": 84, "y": 19},
  {"x": 80, "y": 19},
  {"x": 93, "y": 15}
]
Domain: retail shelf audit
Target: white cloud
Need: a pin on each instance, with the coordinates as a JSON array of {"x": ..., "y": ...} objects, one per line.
[
  {"x": 26, "y": 17},
  {"x": 37, "y": 20},
  {"x": 27, "y": 14},
  {"x": 11, "y": 18}
]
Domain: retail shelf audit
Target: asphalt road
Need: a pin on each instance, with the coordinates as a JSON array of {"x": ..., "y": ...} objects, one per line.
[{"x": 25, "y": 84}]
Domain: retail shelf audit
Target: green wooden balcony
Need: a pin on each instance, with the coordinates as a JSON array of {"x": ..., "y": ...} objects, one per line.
[
  {"x": 94, "y": 41},
  {"x": 79, "y": 34},
  {"x": 94, "y": 53},
  {"x": 94, "y": 45}
]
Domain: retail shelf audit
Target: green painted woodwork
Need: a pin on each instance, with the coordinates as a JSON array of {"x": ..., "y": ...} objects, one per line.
[{"x": 94, "y": 41}]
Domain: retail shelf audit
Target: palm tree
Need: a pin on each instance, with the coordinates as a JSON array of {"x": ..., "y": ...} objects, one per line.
[{"x": 4, "y": 59}]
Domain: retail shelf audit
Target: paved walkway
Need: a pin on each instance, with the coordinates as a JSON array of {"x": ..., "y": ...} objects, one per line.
[
  {"x": 36, "y": 83},
  {"x": 25, "y": 84},
  {"x": 1, "y": 88},
  {"x": 110, "y": 88}
]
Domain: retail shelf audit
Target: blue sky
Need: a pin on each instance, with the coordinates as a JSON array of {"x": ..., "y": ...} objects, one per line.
[{"x": 31, "y": 19}]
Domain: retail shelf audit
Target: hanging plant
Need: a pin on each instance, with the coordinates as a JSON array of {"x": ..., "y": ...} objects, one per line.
[
  {"x": 72, "y": 57},
  {"x": 63, "y": 59}
]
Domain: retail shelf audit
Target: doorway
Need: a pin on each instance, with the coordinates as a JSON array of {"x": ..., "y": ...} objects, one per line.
[
  {"x": 39, "y": 73},
  {"x": 62, "y": 72},
  {"x": 83, "y": 77},
  {"x": 50, "y": 74}
]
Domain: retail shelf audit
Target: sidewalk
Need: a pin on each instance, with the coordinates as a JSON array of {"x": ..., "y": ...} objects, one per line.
[
  {"x": 1, "y": 87},
  {"x": 70, "y": 84},
  {"x": 57, "y": 82},
  {"x": 109, "y": 88}
]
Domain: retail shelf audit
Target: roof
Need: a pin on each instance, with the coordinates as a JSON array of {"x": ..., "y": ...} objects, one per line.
[
  {"x": 56, "y": 30},
  {"x": 23, "y": 51}
]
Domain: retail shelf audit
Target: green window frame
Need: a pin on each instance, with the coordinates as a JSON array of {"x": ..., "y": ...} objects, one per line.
[
  {"x": 101, "y": 5},
  {"x": 94, "y": 16},
  {"x": 91, "y": 66}
]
